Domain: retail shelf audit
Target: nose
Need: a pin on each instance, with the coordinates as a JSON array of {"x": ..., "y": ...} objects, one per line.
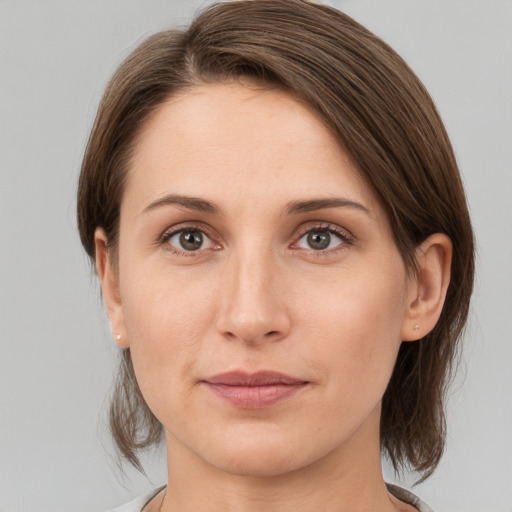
[{"x": 252, "y": 304}]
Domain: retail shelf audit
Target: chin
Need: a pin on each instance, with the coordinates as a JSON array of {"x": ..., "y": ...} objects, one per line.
[
  {"x": 262, "y": 453},
  {"x": 258, "y": 462}
]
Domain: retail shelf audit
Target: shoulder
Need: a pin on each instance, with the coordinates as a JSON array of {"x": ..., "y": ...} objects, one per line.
[
  {"x": 137, "y": 504},
  {"x": 408, "y": 497}
]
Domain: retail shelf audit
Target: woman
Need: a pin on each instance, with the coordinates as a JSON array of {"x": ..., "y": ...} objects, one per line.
[{"x": 281, "y": 234}]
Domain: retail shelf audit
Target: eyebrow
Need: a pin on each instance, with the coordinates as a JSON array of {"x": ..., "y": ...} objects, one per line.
[
  {"x": 191, "y": 203},
  {"x": 201, "y": 205},
  {"x": 319, "y": 204}
]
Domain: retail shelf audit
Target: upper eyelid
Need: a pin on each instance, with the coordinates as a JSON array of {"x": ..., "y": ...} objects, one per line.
[
  {"x": 185, "y": 226},
  {"x": 327, "y": 226}
]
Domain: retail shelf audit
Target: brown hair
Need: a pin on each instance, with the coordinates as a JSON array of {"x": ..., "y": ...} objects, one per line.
[{"x": 382, "y": 116}]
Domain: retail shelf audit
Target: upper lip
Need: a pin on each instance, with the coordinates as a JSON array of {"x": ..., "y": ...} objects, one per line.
[{"x": 260, "y": 378}]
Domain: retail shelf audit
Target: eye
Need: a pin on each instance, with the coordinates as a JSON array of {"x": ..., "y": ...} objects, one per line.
[
  {"x": 321, "y": 239},
  {"x": 189, "y": 240}
]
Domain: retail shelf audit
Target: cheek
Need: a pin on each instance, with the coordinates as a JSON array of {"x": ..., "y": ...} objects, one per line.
[
  {"x": 166, "y": 322},
  {"x": 159, "y": 304},
  {"x": 355, "y": 323}
]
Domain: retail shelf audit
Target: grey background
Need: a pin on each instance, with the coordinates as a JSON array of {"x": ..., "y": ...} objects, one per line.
[{"x": 56, "y": 355}]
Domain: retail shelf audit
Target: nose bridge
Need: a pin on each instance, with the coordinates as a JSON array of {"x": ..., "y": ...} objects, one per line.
[{"x": 252, "y": 309}]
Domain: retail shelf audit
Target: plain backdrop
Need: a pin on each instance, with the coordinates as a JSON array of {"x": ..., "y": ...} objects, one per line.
[{"x": 57, "y": 358}]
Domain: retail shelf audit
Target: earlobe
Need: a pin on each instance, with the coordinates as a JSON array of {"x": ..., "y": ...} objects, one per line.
[
  {"x": 110, "y": 288},
  {"x": 427, "y": 292}
]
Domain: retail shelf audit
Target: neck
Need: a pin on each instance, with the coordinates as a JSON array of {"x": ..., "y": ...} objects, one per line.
[{"x": 347, "y": 479}]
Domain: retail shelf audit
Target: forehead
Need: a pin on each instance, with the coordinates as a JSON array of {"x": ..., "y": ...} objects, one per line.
[{"x": 223, "y": 141}]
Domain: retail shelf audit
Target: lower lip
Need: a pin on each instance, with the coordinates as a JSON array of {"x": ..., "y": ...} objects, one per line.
[{"x": 256, "y": 397}]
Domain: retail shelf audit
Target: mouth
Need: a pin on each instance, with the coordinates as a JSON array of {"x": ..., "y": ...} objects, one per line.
[{"x": 254, "y": 390}]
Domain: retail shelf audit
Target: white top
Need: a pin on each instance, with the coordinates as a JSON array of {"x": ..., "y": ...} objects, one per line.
[
  {"x": 138, "y": 504},
  {"x": 398, "y": 492},
  {"x": 407, "y": 497}
]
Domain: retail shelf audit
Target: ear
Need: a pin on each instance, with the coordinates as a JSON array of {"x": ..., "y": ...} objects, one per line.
[
  {"x": 427, "y": 291},
  {"x": 110, "y": 288}
]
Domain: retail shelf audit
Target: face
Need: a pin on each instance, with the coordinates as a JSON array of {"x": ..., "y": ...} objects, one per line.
[{"x": 259, "y": 287}]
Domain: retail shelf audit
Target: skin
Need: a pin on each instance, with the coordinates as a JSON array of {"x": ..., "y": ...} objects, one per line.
[{"x": 256, "y": 295}]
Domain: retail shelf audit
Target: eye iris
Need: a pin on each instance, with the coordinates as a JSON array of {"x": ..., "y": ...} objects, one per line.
[
  {"x": 191, "y": 240},
  {"x": 319, "y": 240}
]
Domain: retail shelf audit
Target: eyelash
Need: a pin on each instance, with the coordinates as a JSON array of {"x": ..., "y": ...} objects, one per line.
[
  {"x": 345, "y": 237},
  {"x": 167, "y": 235}
]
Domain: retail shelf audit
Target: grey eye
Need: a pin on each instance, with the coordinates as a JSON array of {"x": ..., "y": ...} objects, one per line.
[
  {"x": 320, "y": 240},
  {"x": 189, "y": 240}
]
